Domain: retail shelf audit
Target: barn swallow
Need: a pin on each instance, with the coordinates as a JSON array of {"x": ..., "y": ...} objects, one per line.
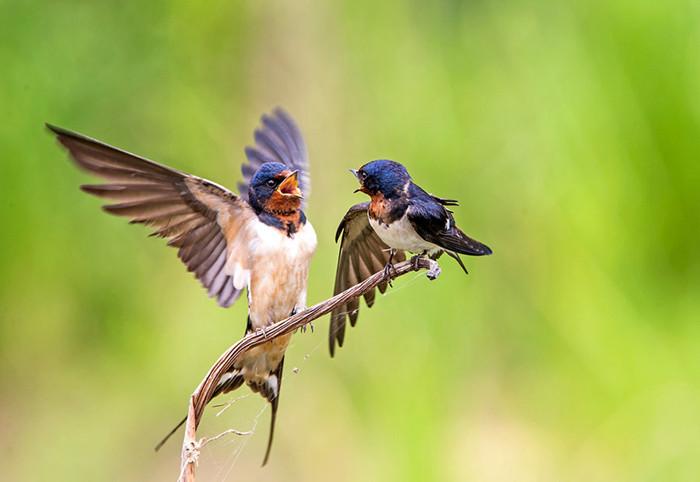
[
  {"x": 259, "y": 239},
  {"x": 399, "y": 217}
]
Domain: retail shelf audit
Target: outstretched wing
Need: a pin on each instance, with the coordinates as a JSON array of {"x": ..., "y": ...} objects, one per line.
[
  {"x": 278, "y": 140},
  {"x": 362, "y": 253},
  {"x": 208, "y": 224}
]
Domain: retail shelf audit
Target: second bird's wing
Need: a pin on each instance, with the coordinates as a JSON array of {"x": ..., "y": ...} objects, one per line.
[
  {"x": 362, "y": 253},
  {"x": 435, "y": 223},
  {"x": 278, "y": 140},
  {"x": 210, "y": 226}
]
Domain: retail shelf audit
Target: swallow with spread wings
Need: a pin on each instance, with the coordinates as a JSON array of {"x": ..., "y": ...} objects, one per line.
[{"x": 258, "y": 240}]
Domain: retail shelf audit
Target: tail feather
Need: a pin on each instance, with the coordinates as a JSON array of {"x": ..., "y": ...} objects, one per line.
[
  {"x": 459, "y": 260},
  {"x": 446, "y": 202},
  {"x": 170, "y": 434},
  {"x": 229, "y": 382},
  {"x": 459, "y": 242},
  {"x": 273, "y": 396}
]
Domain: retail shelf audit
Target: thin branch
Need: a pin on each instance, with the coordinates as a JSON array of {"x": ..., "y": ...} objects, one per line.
[{"x": 202, "y": 395}]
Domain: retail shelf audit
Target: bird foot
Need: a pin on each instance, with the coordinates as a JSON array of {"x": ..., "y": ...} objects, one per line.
[
  {"x": 415, "y": 261},
  {"x": 388, "y": 269},
  {"x": 434, "y": 269},
  {"x": 302, "y": 328},
  {"x": 262, "y": 331}
]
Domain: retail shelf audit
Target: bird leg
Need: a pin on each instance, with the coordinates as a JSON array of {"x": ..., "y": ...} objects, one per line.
[
  {"x": 415, "y": 259},
  {"x": 389, "y": 266},
  {"x": 434, "y": 270}
]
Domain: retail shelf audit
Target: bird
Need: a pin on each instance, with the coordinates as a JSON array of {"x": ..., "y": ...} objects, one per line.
[
  {"x": 400, "y": 216},
  {"x": 258, "y": 240}
]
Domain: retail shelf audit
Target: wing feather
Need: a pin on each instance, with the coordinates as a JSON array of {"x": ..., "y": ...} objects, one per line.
[
  {"x": 435, "y": 223},
  {"x": 362, "y": 253},
  {"x": 198, "y": 217},
  {"x": 279, "y": 140}
]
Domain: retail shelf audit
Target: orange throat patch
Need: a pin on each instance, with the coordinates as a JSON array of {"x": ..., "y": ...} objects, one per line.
[
  {"x": 285, "y": 208},
  {"x": 379, "y": 208}
]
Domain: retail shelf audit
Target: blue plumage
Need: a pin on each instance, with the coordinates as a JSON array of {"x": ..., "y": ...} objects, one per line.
[
  {"x": 400, "y": 217},
  {"x": 264, "y": 183},
  {"x": 406, "y": 217},
  {"x": 259, "y": 240},
  {"x": 385, "y": 176}
]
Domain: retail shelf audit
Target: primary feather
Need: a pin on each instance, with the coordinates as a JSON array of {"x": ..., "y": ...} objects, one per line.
[{"x": 228, "y": 244}]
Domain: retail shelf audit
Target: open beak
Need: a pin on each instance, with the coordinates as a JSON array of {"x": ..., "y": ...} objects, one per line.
[
  {"x": 357, "y": 176},
  {"x": 290, "y": 186}
]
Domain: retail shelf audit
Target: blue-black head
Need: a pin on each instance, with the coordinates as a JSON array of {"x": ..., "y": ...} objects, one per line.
[
  {"x": 385, "y": 177},
  {"x": 274, "y": 189}
]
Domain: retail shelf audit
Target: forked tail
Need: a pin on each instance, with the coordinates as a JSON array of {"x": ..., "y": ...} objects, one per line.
[{"x": 270, "y": 389}]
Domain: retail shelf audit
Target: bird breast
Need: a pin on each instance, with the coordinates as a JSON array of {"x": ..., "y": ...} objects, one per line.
[
  {"x": 279, "y": 274},
  {"x": 400, "y": 234}
]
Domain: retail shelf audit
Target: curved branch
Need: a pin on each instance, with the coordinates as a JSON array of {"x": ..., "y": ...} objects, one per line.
[{"x": 203, "y": 394}]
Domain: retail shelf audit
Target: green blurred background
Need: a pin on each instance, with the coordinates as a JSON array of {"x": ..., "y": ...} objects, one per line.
[{"x": 569, "y": 131}]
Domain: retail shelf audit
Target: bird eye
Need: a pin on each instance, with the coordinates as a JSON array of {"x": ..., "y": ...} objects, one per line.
[
  {"x": 363, "y": 174},
  {"x": 271, "y": 183}
]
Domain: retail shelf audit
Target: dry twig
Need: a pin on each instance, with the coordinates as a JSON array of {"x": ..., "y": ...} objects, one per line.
[{"x": 202, "y": 395}]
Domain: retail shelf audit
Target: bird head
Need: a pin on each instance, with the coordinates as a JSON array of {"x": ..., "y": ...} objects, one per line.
[
  {"x": 275, "y": 189},
  {"x": 388, "y": 178}
]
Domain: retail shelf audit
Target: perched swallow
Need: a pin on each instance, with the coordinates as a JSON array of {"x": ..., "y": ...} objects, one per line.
[
  {"x": 399, "y": 217},
  {"x": 259, "y": 240}
]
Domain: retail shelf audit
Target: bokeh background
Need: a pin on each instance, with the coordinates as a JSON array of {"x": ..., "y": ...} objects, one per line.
[{"x": 569, "y": 131}]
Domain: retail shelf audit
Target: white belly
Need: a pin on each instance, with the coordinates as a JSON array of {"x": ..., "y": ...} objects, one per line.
[
  {"x": 277, "y": 285},
  {"x": 401, "y": 235},
  {"x": 279, "y": 275}
]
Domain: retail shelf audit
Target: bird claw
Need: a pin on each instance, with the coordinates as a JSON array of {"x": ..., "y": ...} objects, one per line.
[
  {"x": 388, "y": 268},
  {"x": 415, "y": 261},
  {"x": 263, "y": 332},
  {"x": 302, "y": 328},
  {"x": 434, "y": 269}
]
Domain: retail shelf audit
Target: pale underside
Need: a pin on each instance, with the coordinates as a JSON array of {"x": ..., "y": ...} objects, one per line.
[
  {"x": 401, "y": 235},
  {"x": 276, "y": 287}
]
